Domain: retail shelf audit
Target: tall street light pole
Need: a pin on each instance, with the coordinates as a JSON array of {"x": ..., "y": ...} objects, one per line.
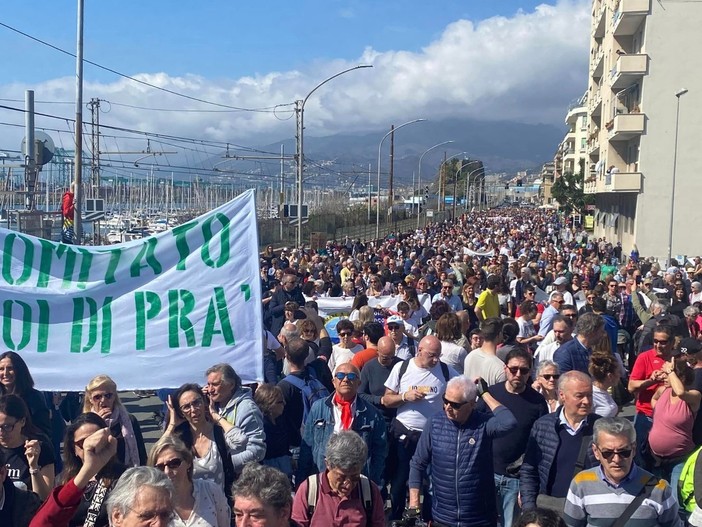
[
  {"x": 454, "y": 156},
  {"x": 419, "y": 174},
  {"x": 468, "y": 187},
  {"x": 678, "y": 94},
  {"x": 380, "y": 146},
  {"x": 300, "y": 112}
]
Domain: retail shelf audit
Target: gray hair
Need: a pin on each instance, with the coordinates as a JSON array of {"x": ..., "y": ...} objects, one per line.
[
  {"x": 346, "y": 451},
  {"x": 546, "y": 364},
  {"x": 266, "y": 484},
  {"x": 290, "y": 332},
  {"x": 134, "y": 479},
  {"x": 573, "y": 375},
  {"x": 696, "y": 285},
  {"x": 469, "y": 390},
  {"x": 588, "y": 324},
  {"x": 657, "y": 306},
  {"x": 228, "y": 374},
  {"x": 691, "y": 311},
  {"x": 616, "y": 426}
]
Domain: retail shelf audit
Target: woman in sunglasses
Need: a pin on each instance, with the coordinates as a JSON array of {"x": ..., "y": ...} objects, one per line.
[
  {"x": 212, "y": 439},
  {"x": 196, "y": 502},
  {"x": 546, "y": 383},
  {"x": 101, "y": 398},
  {"x": 96, "y": 492},
  {"x": 28, "y": 452}
]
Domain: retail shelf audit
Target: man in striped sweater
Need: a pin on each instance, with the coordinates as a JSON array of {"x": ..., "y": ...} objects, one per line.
[{"x": 601, "y": 495}]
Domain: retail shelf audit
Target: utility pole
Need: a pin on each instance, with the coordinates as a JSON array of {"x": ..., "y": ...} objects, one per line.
[
  {"x": 281, "y": 194},
  {"x": 78, "y": 161},
  {"x": 392, "y": 157},
  {"x": 442, "y": 185},
  {"x": 455, "y": 189},
  {"x": 94, "y": 106},
  {"x": 30, "y": 167},
  {"x": 300, "y": 162}
]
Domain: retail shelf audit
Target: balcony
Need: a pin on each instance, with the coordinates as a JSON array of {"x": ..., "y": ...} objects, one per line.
[
  {"x": 573, "y": 114},
  {"x": 593, "y": 146},
  {"x": 626, "y": 126},
  {"x": 629, "y": 16},
  {"x": 596, "y": 105},
  {"x": 597, "y": 65},
  {"x": 598, "y": 28},
  {"x": 623, "y": 182},
  {"x": 628, "y": 70}
]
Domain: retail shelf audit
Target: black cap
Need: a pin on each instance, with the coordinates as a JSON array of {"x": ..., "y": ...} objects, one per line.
[{"x": 690, "y": 346}]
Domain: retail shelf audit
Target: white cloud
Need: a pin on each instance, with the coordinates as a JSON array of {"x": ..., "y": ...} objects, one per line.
[{"x": 524, "y": 68}]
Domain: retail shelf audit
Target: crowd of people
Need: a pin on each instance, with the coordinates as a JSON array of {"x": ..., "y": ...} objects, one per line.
[{"x": 489, "y": 393}]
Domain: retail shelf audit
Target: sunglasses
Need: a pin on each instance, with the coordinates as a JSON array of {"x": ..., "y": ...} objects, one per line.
[
  {"x": 657, "y": 341},
  {"x": 172, "y": 464},
  {"x": 8, "y": 427},
  {"x": 351, "y": 376},
  {"x": 454, "y": 405},
  {"x": 609, "y": 454},
  {"x": 551, "y": 377},
  {"x": 345, "y": 334},
  {"x": 393, "y": 327},
  {"x": 100, "y": 396},
  {"x": 514, "y": 370}
]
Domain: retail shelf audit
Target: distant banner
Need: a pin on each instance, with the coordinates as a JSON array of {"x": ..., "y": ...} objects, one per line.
[
  {"x": 487, "y": 254},
  {"x": 342, "y": 305},
  {"x": 150, "y": 313}
]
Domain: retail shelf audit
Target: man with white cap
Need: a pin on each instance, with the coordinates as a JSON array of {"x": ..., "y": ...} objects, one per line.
[{"x": 561, "y": 282}]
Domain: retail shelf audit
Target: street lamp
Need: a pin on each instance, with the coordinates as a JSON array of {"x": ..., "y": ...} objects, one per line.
[
  {"x": 419, "y": 174},
  {"x": 300, "y": 111},
  {"x": 380, "y": 146},
  {"x": 446, "y": 161},
  {"x": 482, "y": 167},
  {"x": 678, "y": 94}
]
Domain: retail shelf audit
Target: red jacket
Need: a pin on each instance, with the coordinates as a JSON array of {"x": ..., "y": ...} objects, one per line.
[{"x": 59, "y": 507}]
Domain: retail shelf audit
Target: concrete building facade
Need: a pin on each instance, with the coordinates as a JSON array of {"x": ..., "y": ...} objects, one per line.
[{"x": 642, "y": 54}]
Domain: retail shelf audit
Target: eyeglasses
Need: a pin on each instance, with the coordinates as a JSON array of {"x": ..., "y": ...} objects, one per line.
[
  {"x": 393, "y": 327},
  {"x": 590, "y": 297},
  {"x": 196, "y": 403},
  {"x": 97, "y": 397},
  {"x": 150, "y": 516},
  {"x": 609, "y": 454},
  {"x": 454, "y": 405},
  {"x": 612, "y": 285},
  {"x": 522, "y": 371},
  {"x": 657, "y": 341},
  {"x": 341, "y": 375},
  {"x": 8, "y": 427},
  {"x": 551, "y": 377},
  {"x": 345, "y": 334},
  {"x": 172, "y": 464},
  {"x": 530, "y": 293}
]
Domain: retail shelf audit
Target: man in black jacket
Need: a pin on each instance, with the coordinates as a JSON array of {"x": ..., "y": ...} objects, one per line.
[{"x": 289, "y": 292}]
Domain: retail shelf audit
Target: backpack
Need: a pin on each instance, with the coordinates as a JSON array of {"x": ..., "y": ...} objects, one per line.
[
  {"x": 405, "y": 364},
  {"x": 311, "y": 388},
  {"x": 313, "y": 493}
]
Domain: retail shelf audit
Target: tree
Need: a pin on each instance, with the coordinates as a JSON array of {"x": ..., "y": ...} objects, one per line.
[{"x": 567, "y": 190}]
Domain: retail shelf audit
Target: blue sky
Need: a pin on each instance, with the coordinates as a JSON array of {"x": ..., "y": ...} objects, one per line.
[
  {"x": 485, "y": 59},
  {"x": 224, "y": 38}
]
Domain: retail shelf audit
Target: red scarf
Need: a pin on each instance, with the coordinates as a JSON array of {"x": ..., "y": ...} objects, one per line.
[{"x": 346, "y": 414}]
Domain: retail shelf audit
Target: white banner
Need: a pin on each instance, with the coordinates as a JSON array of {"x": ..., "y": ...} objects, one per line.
[
  {"x": 151, "y": 313},
  {"x": 342, "y": 305}
]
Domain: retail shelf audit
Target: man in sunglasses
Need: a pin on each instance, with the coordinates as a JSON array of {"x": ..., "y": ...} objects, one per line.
[
  {"x": 458, "y": 442},
  {"x": 527, "y": 405},
  {"x": 601, "y": 495},
  {"x": 343, "y": 410}
]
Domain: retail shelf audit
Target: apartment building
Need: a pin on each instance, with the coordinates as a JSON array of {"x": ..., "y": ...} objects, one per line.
[{"x": 643, "y": 53}]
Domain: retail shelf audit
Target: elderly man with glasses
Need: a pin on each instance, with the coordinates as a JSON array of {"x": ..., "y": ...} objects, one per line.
[
  {"x": 618, "y": 492},
  {"x": 343, "y": 410},
  {"x": 457, "y": 445}
]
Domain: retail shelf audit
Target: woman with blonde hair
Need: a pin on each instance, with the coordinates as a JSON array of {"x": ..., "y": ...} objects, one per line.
[
  {"x": 101, "y": 397},
  {"x": 196, "y": 502}
]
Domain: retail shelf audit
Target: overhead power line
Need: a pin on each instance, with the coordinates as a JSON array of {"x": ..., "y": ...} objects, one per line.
[{"x": 267, "y": 109}]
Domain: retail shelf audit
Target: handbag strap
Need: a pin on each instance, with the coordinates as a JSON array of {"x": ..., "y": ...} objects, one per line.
[
  {"x": 644, "y": 493},
  {"x": 584, "y": 447},
  {"x": 95, "y": 504}
]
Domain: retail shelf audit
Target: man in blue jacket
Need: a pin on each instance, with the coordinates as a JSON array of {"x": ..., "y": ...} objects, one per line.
[
  {"x": 343, "y": 410},
  {"x": 457, "y": 444},
  {"x": 559, "y": 445}
]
